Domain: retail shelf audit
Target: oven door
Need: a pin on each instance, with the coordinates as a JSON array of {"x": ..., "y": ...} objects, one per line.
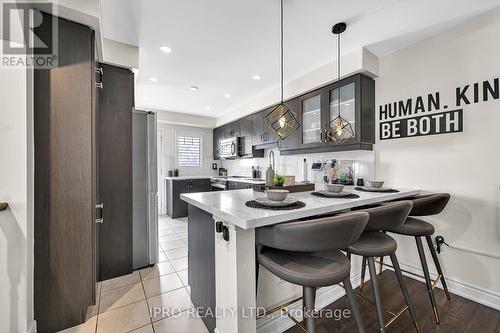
[{"x": 214, "y": 187}]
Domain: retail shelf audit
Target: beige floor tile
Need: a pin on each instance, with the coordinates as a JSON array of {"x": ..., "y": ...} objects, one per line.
[
  {"x": 159, "y": 269},
  {"x": 168, "y": 304},
  {"x": 162, "y": 284},
  {"x": 165, "y": 232},
  {"x": 177, "y": 253},
  {"x": 183, "y": 275},
  {"x": 180, "y": 324},
  {"x": 180, "y": 264},
  {"x": 172, "y": 245},
  {"x": 87, "y": 327},
  {"x": 119, "y": 297},
  {"x": 145, "y": 329},
  {"x": 124, "y": 319},
  {"x": 168, "y": 238},
  {"x": 162, "y": 256},
  {"x": 121, "y": 281}
]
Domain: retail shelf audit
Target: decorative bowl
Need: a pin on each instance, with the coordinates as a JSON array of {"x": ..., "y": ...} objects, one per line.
[
  {"x": 375, "y": 183},
  {"x": 277, "y": 195},
  {"x": 335, "y": 188}
]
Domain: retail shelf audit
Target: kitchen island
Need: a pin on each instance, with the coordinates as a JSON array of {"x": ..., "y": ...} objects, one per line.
[{"x": 222, "y": 270}]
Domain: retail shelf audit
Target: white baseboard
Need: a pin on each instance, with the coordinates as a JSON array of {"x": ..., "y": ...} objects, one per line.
[
  {"x": 478, "y": 295},
  {"x": 324, "y": 297},
  {"x": 32, "y": 328}
]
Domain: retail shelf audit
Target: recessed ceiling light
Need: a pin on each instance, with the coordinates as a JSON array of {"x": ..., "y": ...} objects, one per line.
[
  {"x": 207, "y": 107},
  {"x": 257, "y": 77},
  {"x": 193, "y": 88},
  {"x": 165, "y": 49},
  {"x": 153, "y": 79},
  {"x": 227, "y": 96}
]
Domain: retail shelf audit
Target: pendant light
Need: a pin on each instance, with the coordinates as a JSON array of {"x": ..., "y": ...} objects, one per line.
[
  {"x": 282, "y": 120},
  {"x": 339, "y": 130}
]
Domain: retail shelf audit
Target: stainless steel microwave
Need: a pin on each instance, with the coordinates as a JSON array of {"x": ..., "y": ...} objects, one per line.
[{"x": 230, "y": 148}]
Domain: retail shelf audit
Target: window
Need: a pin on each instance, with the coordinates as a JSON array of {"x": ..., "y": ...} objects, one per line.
[{"x": 189, "y": 149}]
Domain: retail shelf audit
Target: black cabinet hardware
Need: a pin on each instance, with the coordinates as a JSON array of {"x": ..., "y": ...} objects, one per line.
[
  {"x": 218, "y": 227},
  {"x": 225, "y": 233}
]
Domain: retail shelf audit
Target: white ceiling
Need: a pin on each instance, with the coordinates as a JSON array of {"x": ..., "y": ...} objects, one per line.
[{"x": 219, "y": 45}]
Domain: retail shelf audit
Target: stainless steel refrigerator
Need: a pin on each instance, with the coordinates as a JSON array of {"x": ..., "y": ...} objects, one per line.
[{"x": 145, "y": 189}]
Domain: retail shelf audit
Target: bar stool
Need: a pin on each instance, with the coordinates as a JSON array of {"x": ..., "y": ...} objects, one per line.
[
  {"x": 306, "y": 253},
  {"x": 426, "y": 205},
  {"x": 374, "y": 242}
]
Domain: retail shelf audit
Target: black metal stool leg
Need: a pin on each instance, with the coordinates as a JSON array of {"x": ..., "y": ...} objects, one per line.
[
  {"x": 310, "y": 298},
  {"x": 376, "y": 293},
  {"x": 402, "y": 285},
  {"x": 354, "y": 305},
  {"x": 427, "y": 276},
  {"x": 363, "y": 272},
  {"x": 438, "y": 265},
  {"x": 381, "y": 266}
]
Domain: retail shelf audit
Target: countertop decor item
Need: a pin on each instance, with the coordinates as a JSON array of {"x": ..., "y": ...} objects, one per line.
[
  {"x": 279, "y": 180},
  {"x": 289, "y": 180},
  {"x": 255, "y": 204},
  {"x": 339, "y": 130},
  {"x": 277, "y": 195},
  {"x": 341, "y": 195},
  {"x": 273, "y": 203},
  {"x": 270, "y": 170},
  {"x": 282, "y": 120},
  {"x": 3, "y": 206},
  {"x": 334, "y": 188},
  {"x": 298, "y": 187},
  {"x": 376, "y": 190},
  {"x": 375, "y": 183}
]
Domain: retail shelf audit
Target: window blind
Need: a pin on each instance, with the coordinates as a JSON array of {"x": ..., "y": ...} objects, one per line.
[{"x": 189, "y": 151}]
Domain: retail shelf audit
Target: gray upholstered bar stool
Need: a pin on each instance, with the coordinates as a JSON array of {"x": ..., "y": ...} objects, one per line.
[
  {"x": 374, "y": 242},
  {"x": 306, "y": 253},
  {"x": 426, "y": 205}
]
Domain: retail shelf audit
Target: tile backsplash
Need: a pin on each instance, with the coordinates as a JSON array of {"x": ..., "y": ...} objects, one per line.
[{"x": 364, "y": 164}]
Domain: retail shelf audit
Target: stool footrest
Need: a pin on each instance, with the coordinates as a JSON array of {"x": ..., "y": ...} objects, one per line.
[{"x": 434, "y": 283}]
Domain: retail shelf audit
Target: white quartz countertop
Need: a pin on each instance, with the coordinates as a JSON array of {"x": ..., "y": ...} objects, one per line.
[
  {"x": 188, "y": 177},
  {"x": 230, "y": 206}
]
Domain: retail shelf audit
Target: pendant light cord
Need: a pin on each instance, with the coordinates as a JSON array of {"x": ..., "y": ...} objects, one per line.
[
  {"x": 282, "y": 47},
  {"x": 338, "y": 72}
]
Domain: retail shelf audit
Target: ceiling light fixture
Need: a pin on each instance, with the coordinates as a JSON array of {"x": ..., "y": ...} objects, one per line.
[
  {"x": 153, "y": 79},
  {"x": 339, "y": 130},
  {"x": 165, "y": 49},
  {"x": 207, "y": 107},
  {"x": 193, "y": 88},
  {"x": 227, "y": 96},
  {"x": 281, "y": 118},
  {"x": 257, "y": 77}
]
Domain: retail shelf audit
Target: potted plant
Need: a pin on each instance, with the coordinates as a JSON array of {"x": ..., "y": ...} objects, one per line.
[{"x": 279, "y": 180}]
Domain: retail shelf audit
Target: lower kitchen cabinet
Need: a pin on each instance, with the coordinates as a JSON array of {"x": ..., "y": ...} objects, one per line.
[{"x": 176, "y": 207}]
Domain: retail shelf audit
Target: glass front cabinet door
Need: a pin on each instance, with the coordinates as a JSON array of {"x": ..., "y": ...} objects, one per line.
[{"x": 319, "y": 107}]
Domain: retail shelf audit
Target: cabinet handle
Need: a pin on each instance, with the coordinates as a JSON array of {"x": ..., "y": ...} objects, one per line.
[
  {"x": 99, "y": 71},
  {"x": 99, "y": 85},
  {"x": 101, "y": 207},
  {"x": 99, "y": 220}
]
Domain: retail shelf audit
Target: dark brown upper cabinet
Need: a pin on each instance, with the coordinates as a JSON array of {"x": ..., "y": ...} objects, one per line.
[
  {"x": 314, "y": 111},
  {"x": 317, "y": 108}
]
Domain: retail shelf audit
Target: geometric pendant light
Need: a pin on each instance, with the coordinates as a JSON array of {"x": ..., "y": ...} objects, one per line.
[
  {"x": 339, "y": 129},
  {"x": 282, "y": 120}
]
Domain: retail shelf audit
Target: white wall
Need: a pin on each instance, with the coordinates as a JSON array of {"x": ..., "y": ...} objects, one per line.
[
  {"x": 16, "y": 188},
  {"x": 467, "y": 164}
]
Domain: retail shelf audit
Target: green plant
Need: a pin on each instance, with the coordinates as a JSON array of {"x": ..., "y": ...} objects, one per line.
[{"x": 279, "y": 180}]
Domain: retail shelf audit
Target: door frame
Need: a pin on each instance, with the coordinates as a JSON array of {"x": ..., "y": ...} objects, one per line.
[{"x": 160, "y": 144}]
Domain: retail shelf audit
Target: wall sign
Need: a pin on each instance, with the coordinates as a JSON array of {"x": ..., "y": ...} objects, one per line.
[{"x": 420, "y": 116}]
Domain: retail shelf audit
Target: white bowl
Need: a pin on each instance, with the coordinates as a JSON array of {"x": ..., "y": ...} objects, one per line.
[
  {"x": 277, "y": 195},
  {"x": 335, "y": 188},
  {"x": 375, "y": 183}
]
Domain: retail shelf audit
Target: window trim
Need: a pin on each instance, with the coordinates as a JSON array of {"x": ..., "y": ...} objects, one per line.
[{"x": 192, "y": 133}]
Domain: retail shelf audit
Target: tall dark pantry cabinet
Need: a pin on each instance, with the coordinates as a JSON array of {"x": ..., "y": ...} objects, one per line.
[{"x": 83, "y": 157}]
